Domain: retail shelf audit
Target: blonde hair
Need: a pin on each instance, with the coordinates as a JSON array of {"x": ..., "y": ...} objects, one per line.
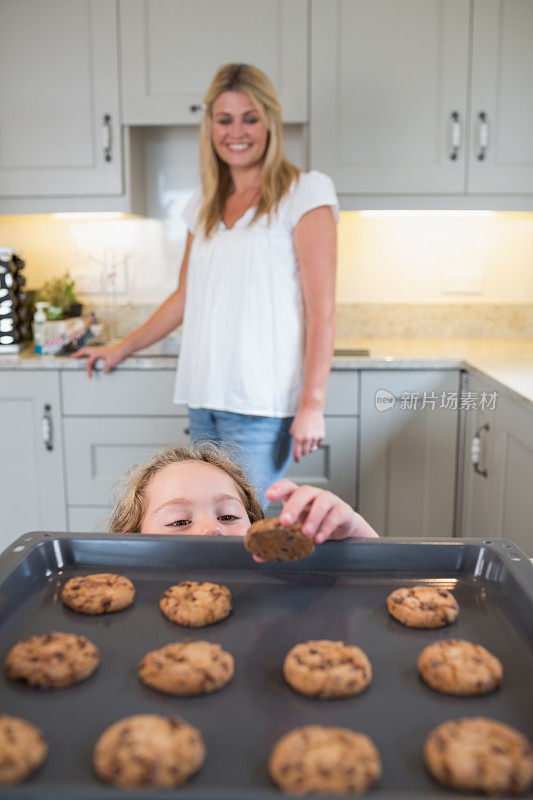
[
  {"x": 277, "y": 173},
  {"x": 130, "y": 509}
]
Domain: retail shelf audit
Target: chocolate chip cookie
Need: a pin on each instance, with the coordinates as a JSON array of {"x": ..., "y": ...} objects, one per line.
[
  {"x": 196, "y": 604},
  {"x": 423, "y": 607},
  {"x": 479, "y": 754},
  {"x": 458, "y": 667},
  {"x": 327, "y": 669},
  {"x": 187, "y": 668},
  {"x": 53, "y": 660},
  {"x": 23, "y": 748},
  {"x": 272, "y": 541},
  {"x": 316, "y": 759},
  {"x": 148, "y": 750},
  {"x": 101, "y": 593}
]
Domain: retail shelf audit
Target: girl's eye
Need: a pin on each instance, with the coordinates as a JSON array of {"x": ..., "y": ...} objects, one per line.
[
  {"x": 178, "y": 523},
  {"x": 251, "y": 120},
  {"x": 225, "y": 121},
  {"x": 227, "y": 517}
]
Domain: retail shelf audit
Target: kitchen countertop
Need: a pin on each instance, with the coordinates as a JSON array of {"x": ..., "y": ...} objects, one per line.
[{"x": 507, "y": 361}]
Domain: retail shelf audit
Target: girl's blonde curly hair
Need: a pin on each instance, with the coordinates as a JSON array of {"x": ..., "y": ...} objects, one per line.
[{"x": 130, "y": 508}]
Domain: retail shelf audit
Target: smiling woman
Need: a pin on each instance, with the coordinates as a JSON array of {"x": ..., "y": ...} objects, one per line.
[{"x": 256, "y": 287}]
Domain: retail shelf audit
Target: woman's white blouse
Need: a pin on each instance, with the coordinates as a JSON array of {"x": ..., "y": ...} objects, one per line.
[{"x": 243, "y": 338}]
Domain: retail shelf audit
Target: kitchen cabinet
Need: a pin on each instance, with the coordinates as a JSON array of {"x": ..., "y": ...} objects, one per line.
[
  {"x": 394, "y": 93},
  {"x": 496, "y": 499},
  {"x": 59, "y": 106},
  {"x": 408, "y": 451},
  {"x": 386, "y": 78},
  {"x": 501, "y": 106},
  {"x": 32, "y": 494},
  {"x": 113, "y": 421},
  {"x": 171, "y": 50}
]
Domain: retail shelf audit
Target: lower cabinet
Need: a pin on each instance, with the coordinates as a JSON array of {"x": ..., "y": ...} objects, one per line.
[
  {"x": 497, "y": 497},
  {"x": 391, "y": 450},
  {"x": 113, "y": 421},
  {"x": 32, "y": 492},
  {"x": 408, "y": 451},
  {"x": 99, "y": 451}
]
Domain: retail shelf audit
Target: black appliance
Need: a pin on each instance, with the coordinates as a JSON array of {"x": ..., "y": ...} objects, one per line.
[{"x": 15, "y": 324}]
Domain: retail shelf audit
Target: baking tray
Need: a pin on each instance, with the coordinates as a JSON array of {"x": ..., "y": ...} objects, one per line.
[{"x": 337, "y": 593}]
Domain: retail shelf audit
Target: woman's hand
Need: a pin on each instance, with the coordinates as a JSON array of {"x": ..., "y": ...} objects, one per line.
[
  {"x": 111, "y": 356},
  {"x": 322, "y": 514},
  {"x": 307, "y": 430}
]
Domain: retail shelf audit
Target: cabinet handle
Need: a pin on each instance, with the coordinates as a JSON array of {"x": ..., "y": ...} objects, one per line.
[
  {"x": 456, "y": 135},
  {"x": 47, "y": 431},
  {"x": 475, "y": 449},
  {"x": 186, "y": 431},
  {"x": 195, "y": 107},
  {"x": 106, "y": 136},
  {"x": 483, "y": 136}
]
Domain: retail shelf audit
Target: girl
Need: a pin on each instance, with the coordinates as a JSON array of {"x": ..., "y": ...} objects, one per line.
[{"x": 200, "y": 491}]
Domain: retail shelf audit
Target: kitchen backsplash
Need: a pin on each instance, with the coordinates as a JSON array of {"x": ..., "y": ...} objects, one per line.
[
  {"x": 383, "y": 320},
  {"x": 400, "y": 274},
  {"x": 433, "y": 321}
]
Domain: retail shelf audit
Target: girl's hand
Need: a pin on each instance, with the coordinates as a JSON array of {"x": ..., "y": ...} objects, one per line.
[
  {"x": 111, "y": 356},
  {"x": 322, "y": 514},
  {"x": 307, "y": 430}
]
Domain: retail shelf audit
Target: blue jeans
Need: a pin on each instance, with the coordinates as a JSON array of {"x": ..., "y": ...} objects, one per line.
[{"x": 260, "y": 445}]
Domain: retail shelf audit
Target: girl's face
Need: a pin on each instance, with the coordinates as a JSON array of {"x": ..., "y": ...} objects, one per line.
[
  {"x": 195, "y": 498},
  {"x": 239, "y": 132}
]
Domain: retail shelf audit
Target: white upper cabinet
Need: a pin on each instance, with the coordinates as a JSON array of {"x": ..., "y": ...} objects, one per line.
[
  {"x": 389, "y": 94},
  {"x": 423, "y": 97},
  {"x": 502, "y": 97},
  {"x": 172, "y": 48},
  {"x": 59, "y": 111}
]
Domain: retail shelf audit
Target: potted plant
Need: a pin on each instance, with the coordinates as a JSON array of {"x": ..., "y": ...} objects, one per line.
[{"x": 59, "y": 293}]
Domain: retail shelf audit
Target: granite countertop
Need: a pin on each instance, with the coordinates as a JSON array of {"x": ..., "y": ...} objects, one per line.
[{"x": 507, "y": 361}]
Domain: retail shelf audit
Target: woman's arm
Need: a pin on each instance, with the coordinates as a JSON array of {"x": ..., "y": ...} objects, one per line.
[
  {"x": 322, "y": 514},
  {"x": 167, "y": 317},
  {"x": 315, "y": 243}
]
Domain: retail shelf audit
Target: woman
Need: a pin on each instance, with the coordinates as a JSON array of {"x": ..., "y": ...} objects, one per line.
[{"x": 256, "y": 288}]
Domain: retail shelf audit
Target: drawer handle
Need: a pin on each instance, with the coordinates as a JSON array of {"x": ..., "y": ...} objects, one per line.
[
  {"x": 195, "y": 107},
  {"x": 47, "y": 430},
  {"x": 106, "y": 137},
  {"x": 456, "y": 135},
  {"x": 475, "y": 450},
  {"x": 186, "y": 431},
  {"x": 483, "y": 135}
]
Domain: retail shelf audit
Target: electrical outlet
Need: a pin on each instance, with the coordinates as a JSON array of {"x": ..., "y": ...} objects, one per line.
[{"x": 462, "y": 280}]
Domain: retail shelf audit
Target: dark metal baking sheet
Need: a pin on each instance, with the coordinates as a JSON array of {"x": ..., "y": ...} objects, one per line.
[{"x": 337, "y": 593}]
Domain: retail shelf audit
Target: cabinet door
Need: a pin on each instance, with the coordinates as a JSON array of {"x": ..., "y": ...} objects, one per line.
[
  {"x": 499, "y": 502},
  {"x": 32, "y": 493},
  {"x": 408, "y": 452},
  {"x": 386, "y": 78},
  {"x": 515, "y": 452},
  {"x": 171, "y": 50},
  {"x": 501, "y": 158},
  {"x": 58, "y": 62},
  {"x": 100, "y": 450}
]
